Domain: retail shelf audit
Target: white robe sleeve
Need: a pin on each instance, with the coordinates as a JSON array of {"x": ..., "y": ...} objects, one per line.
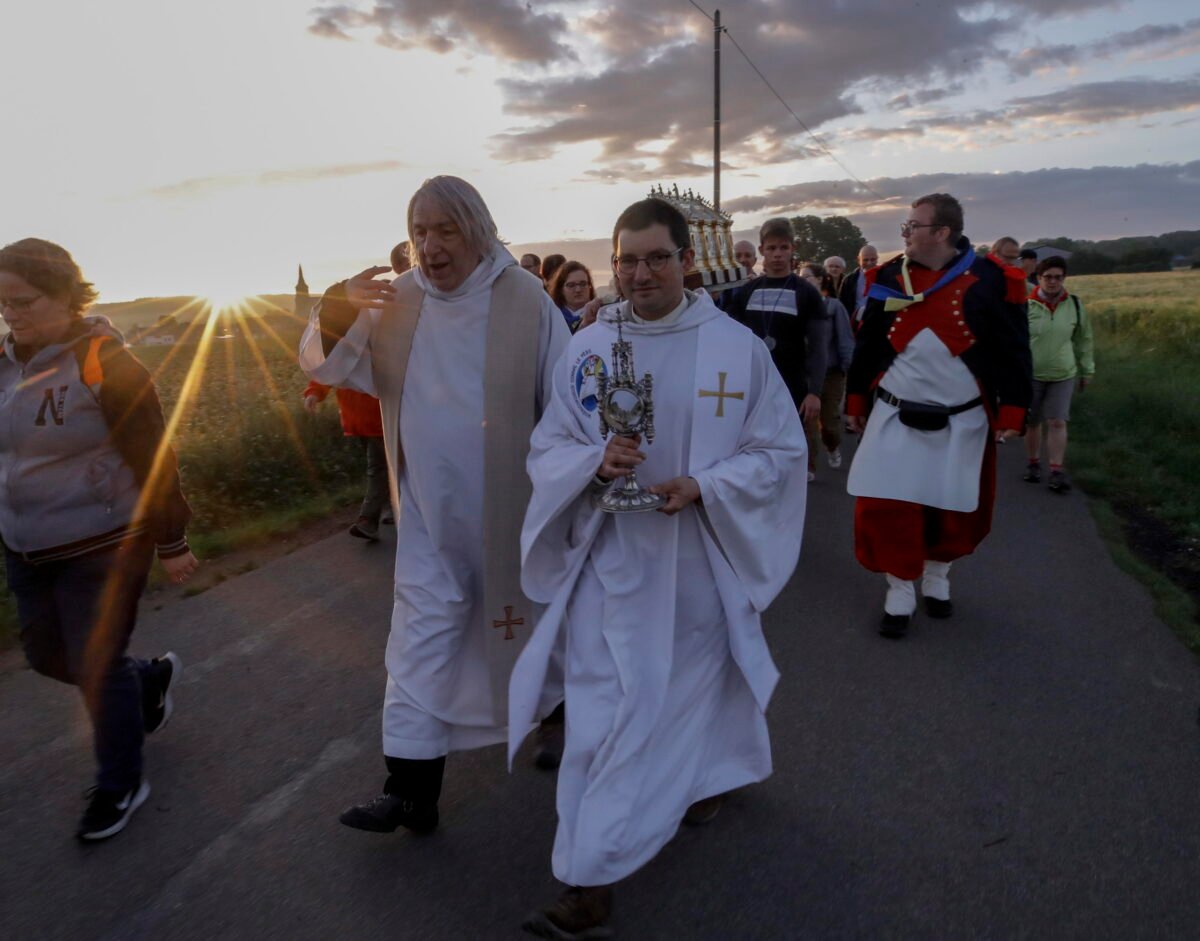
[
  {"x": 754, "y": 501},
  {"x": 563, "y": 459},
  {"x": 348, "y": 365}
]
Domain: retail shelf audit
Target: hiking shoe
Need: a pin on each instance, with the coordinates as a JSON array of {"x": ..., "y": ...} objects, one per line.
[
  {"x": 704, "y": 811},
  {"x": 387, "y": 812},
  {"x": 1033, "y": 473},
  {"x": 549, "y": 738},
  {"x": 579, "y": 915},
  {"x": 366, "y": 529},
  {"x": 1058, "y": 481},
  {"x": 109, "y": 811},
  {"x": 835, "y": 458},
  {"x": 157, "y": 704}
]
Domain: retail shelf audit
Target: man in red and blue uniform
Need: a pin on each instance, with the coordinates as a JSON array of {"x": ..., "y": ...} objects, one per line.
[{"x": 941, "y": 373}]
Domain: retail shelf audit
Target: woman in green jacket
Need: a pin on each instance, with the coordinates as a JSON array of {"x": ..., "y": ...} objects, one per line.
[{"x": 1060, "y": 338}]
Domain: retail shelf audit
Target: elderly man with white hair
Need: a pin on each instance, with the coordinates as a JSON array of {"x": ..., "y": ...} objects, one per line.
[
  {"x": 746, "y": 254},
  {"x": 460, "y": 352},
  {"x": 835, "y": 267}
]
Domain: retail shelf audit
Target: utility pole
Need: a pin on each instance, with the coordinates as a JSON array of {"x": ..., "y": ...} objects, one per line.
[{"x": 717, "y": 110}]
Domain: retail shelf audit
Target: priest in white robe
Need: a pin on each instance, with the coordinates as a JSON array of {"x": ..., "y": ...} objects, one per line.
[
  {"x": 658, "y": 613},
  {"x": 460, "y": 352}
]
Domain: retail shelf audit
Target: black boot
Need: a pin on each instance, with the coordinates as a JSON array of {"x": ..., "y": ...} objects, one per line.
[
  {"x": 409, "y": 798},
  {"x": 549, "y": 738}
]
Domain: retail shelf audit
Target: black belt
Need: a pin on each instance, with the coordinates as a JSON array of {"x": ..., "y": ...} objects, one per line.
[{"x": 885, "y": 396}]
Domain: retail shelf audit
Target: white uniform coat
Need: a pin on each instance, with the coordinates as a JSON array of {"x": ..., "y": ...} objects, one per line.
[
  {"x": 667, "y": 672},
  {"x": 933, "y": 468}
]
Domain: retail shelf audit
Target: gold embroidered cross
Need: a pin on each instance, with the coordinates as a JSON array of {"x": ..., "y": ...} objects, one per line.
[
  {"x": 720, "y": 395},
  {"x": 508, "y": 623}
]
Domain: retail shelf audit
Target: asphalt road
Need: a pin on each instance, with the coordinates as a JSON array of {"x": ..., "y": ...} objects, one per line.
[{"x": 1028, "y": 769}]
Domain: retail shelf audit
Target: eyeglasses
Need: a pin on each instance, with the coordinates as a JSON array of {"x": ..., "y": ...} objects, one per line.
[
  {"x": 907, "y": 227},
  {"x": 575, "y": 285},
  {"x": 655, "y": 261},
  {"x": 19, "y": 303}
]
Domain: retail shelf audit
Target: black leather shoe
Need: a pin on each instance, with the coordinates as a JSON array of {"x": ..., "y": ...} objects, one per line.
[
  {"x": 894, "y": 626},
  {"x": 387, "y": 812},
  {"x": 938, "y": 608}
]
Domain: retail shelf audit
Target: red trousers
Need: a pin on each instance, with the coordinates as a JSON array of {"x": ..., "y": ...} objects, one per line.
[{"x": 896, "y": 537}]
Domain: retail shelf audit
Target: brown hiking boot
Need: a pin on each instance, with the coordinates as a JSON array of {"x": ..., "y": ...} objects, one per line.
[
  {"x": 703, "y": 811},
  {"x": 580, "y": 914}
]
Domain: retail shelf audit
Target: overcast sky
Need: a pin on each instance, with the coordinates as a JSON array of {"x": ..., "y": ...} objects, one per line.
[{"x": 208, "y": 148}]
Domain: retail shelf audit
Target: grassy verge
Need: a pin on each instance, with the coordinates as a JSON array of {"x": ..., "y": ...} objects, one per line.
[{"x": 1135, "y": 433}]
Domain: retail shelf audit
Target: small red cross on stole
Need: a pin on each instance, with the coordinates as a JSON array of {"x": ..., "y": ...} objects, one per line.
[{"x": 508, "y": 623}]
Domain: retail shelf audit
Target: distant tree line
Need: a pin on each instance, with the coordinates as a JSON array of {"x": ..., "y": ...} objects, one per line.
[
  {"x": 1130, "y": 254},
  {"x": 817, "y": 238}
]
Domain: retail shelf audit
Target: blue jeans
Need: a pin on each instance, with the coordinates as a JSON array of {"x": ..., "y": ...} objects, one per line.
[{"x": 76, "y": 616}]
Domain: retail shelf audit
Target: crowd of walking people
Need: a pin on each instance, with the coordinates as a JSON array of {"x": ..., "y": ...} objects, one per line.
[{"x": 478, "y": 385}]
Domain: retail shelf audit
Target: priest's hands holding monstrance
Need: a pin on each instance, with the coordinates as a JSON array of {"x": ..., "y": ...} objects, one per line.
[{"x": 622, "y": 454}]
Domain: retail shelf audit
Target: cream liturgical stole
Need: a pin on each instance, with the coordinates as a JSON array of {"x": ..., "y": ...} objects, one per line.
[
  {"x": 723, "y": 360},
  {"x": 510, "y": 413}
]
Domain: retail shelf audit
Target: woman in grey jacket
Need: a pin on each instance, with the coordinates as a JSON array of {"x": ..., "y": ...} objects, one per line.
[{"x": 90, "y": 493}]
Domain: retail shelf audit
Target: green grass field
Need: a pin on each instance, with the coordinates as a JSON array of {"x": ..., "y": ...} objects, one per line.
[{"x": 1135, "y": 432}]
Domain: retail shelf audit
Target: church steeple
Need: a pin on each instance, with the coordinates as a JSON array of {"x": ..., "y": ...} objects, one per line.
[{"x": 301, "y": 286}]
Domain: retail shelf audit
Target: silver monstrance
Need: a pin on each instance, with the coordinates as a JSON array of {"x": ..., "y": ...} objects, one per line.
[{"x": 626, "y": 408}]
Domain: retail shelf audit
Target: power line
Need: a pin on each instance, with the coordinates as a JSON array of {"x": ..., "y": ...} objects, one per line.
[{"x": 807, "y": 130}]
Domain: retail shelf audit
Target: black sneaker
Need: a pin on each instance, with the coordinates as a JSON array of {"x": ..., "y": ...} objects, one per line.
[
  {"x": 387, "y": 812},
  {"x": 109, "y": 811},
  {"x": 939, "y": 607},
  {"x": 1033, "y": 473},
  {"x": 1058, "y": 481},
  {"x": 157, "y": 704}
]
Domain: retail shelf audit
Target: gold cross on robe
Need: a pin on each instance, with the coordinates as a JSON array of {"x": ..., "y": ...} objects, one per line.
[
  {"x": 508, "y": 623},
  {"x": 720, "y": 395}
]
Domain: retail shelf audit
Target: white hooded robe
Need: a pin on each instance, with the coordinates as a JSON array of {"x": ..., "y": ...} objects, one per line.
[{"x": 667, "y": 672}]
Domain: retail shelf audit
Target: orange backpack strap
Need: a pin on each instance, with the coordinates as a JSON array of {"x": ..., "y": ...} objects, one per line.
[{"x": 92, "y": 372}]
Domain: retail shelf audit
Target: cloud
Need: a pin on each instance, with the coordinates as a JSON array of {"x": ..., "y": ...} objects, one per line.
[
  {"x": 1078, "y": 202},
  {"x": 200, "y": 185},
  {"x": 507, "y": 29},
  {"x": 640, "y": 85},
  {"x": 632, "y": 78},
  {"x": 1153, "y": 40},
  {"x": 1060, "y": 113},
  {"x": 1094, "y": 102},
  {"x": 925, "y": 96}
]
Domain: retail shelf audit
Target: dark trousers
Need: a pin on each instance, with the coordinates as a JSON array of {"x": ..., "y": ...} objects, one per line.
[
  {"x": 377, "y": 480},
  {"x": 76, "y": 616}
]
